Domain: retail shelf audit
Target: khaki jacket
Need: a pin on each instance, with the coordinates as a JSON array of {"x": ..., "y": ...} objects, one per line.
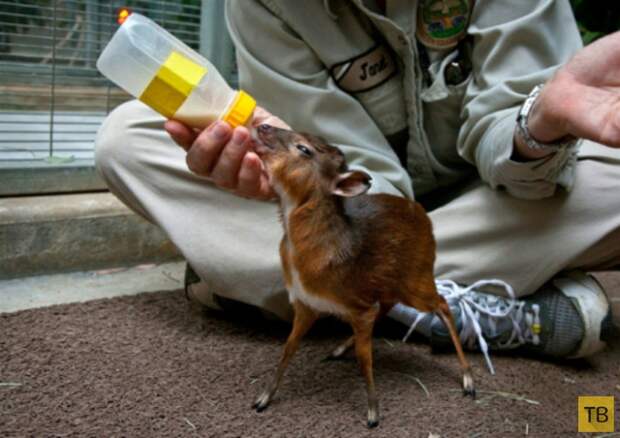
[{"x": 292, "y": 56}]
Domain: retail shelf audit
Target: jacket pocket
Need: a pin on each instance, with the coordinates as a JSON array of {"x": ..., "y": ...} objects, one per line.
[
  {"x": 442, "y": 106},
  {"x": 385, "y": 105}
]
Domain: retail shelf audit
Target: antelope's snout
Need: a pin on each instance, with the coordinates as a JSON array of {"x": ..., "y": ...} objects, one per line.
[
  {"x": 268, "y": 139},
  {"x": 262, "y": 138},
  {"x": 270, "y": 136},
  {"x": 265, "y": 132}
]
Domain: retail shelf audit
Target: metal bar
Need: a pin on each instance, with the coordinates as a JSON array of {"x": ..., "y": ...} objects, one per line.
[
  {"x": 110, "y": 86},
  {"x": 143, "y": 11},
  {"x": 112, "y": 26},
  {"x": 53, "y": 95},
  {"x": 94, "y": 98},
  {"x": 81, "y": 2},
  {"x": 191, "y": 32},
  {"x": 90, "y": 47},
  {"x": 100, "y": 114},
  {"x": 109, "y": 27},
  {"x": 93, "y": 94},
  {"x": 215, "y": 41},
  {"x": 67, "y": 107},
  {"x": 100, "y": 106},
  {"x": 64, "y": 117},
  {"x": 22, "y": 68},
  {"x": 81, "y": 81},
  {"x": 43, "y": 131},
  {"x": 81, "y": 91},
  {"x": 136, "y": 3},
  {"x": 94, "y": 124},
  {"x": 77, "y": 68},
  {"x": 41, "y": 145},
  {"x": 128, "y": 3},
  {"x": 87, "y": 2},
  {"x": 33, "y": 51}
]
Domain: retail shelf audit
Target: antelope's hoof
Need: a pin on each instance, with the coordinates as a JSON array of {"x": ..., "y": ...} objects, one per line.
[
  {"x": 262, "y": 402},
  {"x": 468, "y": 385},
  {"x": 373, "y": 418},
  {"x": 337, "y": 354},
  {"x": 469, "y": 392},
  {"x": 329, "y": 358},
  {"x": 332, "y": 357},
  {"x": 372, "y": 424}
]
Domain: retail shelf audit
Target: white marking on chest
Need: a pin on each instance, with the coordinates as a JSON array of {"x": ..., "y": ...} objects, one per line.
[{"x": 296, "y": 291}]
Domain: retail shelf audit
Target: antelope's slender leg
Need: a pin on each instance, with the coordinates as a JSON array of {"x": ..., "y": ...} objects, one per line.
[
  {"x": 445, "y": 314},
  {"x": 304, "y": 319},
  {"x": 341, "y": 349},
  {"x": 362, "y": 328},
  {"x": 344, "y": 347}
]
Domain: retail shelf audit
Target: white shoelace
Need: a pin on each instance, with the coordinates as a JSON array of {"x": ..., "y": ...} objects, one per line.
[{"x": 474, "y": 305}]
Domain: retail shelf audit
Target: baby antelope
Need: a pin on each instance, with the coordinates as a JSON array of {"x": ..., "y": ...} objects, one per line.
[{"x": 347, "y": 253}]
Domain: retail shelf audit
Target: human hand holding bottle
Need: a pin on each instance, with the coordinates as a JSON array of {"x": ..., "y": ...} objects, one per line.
[{"x": 225, "y": 156}]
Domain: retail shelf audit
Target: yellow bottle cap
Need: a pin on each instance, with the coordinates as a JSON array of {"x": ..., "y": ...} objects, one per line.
[{"x": 240, "y": 110}]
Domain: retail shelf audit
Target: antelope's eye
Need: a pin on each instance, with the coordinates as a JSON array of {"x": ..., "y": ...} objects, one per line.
[{"x": 304, "y": 150}]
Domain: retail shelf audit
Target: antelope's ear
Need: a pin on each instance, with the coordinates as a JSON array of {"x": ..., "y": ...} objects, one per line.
[{"x": 351, "y": 184}]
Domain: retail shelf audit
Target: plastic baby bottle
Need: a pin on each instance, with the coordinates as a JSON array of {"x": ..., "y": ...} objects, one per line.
[{"x": 154, "y": 66}]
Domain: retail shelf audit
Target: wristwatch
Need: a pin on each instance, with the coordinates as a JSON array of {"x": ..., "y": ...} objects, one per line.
[{"x": 522, "y": 126}]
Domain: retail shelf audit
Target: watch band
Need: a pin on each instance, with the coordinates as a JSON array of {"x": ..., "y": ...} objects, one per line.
[{"x": 522, "y": 126}]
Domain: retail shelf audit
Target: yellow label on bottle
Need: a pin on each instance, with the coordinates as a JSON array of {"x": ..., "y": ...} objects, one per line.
[{"x": 175, "y": 80}]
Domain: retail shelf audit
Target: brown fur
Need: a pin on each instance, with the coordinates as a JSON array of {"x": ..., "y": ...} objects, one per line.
[{"x": 364, "y": 253}]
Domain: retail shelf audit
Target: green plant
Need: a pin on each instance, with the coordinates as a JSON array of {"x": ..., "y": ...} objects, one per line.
[{"x": 596, "y": 18}]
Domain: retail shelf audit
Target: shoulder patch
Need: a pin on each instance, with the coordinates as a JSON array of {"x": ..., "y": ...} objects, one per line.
[
  {"x": 365, "y": 71},
  {"x": 441, "y": 24}
]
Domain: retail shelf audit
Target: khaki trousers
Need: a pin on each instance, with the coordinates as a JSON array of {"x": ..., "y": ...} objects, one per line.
[{"x": 232, "y": 242}]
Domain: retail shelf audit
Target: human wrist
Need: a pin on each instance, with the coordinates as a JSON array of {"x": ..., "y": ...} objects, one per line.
[
  {"x": 522, "y": 152},
  {"x": 544, "y": 122},
  {"x": 539, "y": 131}
]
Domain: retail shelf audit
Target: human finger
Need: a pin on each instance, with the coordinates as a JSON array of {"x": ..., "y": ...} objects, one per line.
[
  {"x": 204, "y": 152},
  {"x": 248, "y": 180},
  {"x": 226, "y": 169}
]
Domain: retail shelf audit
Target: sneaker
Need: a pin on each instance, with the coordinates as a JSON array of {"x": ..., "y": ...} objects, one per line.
[
  {"x": 199, "y": 294},
  {"x": 568, "y": 317},
  {"x": 196, "y": 290}
]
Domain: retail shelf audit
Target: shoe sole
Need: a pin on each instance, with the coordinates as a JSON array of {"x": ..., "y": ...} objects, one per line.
[{"x": 593, "y": 306}]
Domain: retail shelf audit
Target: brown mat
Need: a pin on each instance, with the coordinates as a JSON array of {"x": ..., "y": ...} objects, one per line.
[{"x": 147, "y": 366}]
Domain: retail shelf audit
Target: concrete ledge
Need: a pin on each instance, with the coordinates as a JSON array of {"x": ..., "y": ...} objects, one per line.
[
  {"x": 39, "y": 178},
  {"x": 48, "y": 290},
  {"x": 63, "y": 233}
]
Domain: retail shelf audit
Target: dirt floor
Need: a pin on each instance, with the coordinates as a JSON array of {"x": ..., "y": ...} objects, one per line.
[{"x": 150, "y": 366}]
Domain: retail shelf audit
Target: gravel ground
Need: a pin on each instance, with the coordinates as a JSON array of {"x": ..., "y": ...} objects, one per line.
[{"x": 150, "y": 365}]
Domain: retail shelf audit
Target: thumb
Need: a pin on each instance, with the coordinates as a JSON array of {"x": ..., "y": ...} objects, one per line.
[{"x": 182, "y": 135}]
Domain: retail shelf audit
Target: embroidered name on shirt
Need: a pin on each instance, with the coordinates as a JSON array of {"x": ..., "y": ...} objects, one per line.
[{"x": 366, "y": 71}]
